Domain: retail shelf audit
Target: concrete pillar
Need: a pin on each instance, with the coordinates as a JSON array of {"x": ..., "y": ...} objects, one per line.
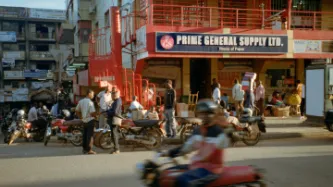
[
  {"x": 1, "y": 55},
  {"x": 186, "y": 76},
  {"x": 27, "y": 46},
  {"x": 214, "y": 68},
  {"x": 300, "y": 70}
]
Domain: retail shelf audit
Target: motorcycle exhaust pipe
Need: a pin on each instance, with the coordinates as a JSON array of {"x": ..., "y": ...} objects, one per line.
[{"x": 139, "y": 139}]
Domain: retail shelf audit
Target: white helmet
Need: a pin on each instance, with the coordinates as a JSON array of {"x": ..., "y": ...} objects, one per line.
[
  {"x": 20, "y": 114},
  {"x": 66, "y": 113}
]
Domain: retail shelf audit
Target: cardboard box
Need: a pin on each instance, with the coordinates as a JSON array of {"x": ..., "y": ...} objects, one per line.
[{"x": 181, "y": 107}]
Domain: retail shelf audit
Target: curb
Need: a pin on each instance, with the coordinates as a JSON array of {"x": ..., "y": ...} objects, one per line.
[{"x": 271, "y": 136}]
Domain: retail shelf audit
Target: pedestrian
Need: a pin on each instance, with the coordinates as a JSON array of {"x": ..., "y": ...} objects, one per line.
[
  {"x": 217, "y": 94},
  {"x": 214, "y": 84},
  {"x": 114, "y": 120},
  {"x": 104, "y": 101},
  {"x": 169, "y": 109},
  {"x": 40, "y": 109},
  {"x": 135, "y": 105},
  {"x": 301, "y": 92},
  {"x": 86, "y": 110},
  {"x": 260, "y": 97},
  {"x": 33, "y": 114},
  {"x": 238, "y": 96}
]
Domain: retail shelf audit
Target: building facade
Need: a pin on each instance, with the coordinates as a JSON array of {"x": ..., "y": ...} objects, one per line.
[{"x": 29, "y": 39}]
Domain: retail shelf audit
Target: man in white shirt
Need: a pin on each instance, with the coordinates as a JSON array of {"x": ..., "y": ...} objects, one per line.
[
  {"x": 105, "y": 100},
  {"x": 32, "y": 115},
  {"x": 217, "y": 94},
  {"x": 135, "y": 105},
  {"x": 86, "y": 110}
]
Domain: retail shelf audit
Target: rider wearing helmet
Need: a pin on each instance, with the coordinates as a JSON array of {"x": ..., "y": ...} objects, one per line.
[{"x": 209, "y": 141}]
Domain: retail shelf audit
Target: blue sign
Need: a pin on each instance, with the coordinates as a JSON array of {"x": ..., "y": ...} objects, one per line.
[
  {"x": 220, "y": 43},
  {"x": 7, "y": 36},
  {"x": 35, "y": 73}
]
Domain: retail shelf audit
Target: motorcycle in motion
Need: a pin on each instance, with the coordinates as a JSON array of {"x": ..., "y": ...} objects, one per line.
[
  {"x": 152, "y": 175},
  {"x": 247, "y": 128},
  {"x": 6, "y": 122},
  {"x": 21, "y": 128},
  {"x": 64, "y": 128},
  {"x": 147, "y": 133}
]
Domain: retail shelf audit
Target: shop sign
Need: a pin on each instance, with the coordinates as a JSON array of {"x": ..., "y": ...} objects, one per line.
[
  {"x": 35, "y": 73},
  {"x": 13, "y": 75},
  {"x": 39, "y": 13},
  {"x": 8, "y": 62},
  {"x": 12, "y": 54},
  {"x": 307, "y": 46},
  {"x": 220, "y": 43},
  {"x": 104, "y": 78},
  {"x": 7, "y": 36},
  {"x": 13, "y": 12}
]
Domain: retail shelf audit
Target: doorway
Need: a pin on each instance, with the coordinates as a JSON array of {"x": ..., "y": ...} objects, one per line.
[{"x": 200, "y": 77}]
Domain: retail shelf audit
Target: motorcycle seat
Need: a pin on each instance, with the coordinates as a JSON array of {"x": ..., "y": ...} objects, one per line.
[
  {"x": 146, "y": 123},
  {"x": 189, "y": 120},
  {"x": 249, "y": 119}
]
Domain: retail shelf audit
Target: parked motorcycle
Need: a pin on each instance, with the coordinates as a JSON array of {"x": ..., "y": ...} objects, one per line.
[
  {"x": 23, "y": 129},
  {"x": 147, "y": 133},
  {"x": 64, "y": 129},
  {"x": 6, "y": 122},
  {"x": 152, "y": 174},
  {"x": 186, "y": 126},
  {"x": 250, "y": 130}
]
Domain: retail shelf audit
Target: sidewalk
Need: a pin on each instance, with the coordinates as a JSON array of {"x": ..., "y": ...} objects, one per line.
[{"x": 280, "y": 128}]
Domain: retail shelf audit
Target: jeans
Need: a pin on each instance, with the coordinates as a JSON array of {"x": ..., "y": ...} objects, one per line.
[
  {"x": 195, "y": 178},
  {"x": 102, "y": 119},
  {"x": 170, "y": 125},
  {"x": 115, "y": 136},
  {"x": 88, "y": 132}
]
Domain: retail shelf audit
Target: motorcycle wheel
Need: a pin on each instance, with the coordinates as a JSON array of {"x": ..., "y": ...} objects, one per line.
[
  {"x": 252, "y": 139},
  {"x": 46, "y": 138},
  {"x": 105, "y": 141},
  {"x": 77, "y": 133},
  {"x": 330, "y": 127},
  {"x": 6, "y": 138},
  {"x": 157, "y": 136},
  {"x": 97, "y": 137},
  {"x": 186, "y": 133},
  {"x": 38, "y": 137}
]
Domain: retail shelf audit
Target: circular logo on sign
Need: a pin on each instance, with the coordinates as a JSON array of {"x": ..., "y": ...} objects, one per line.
[{"x": 167, "y": 42}]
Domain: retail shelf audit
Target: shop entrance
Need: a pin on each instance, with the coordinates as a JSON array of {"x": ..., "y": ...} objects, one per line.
[{"x": 200, "y": 77}]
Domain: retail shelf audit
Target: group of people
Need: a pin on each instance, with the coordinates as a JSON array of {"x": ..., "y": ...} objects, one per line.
[{"x": 253, "y": 97}]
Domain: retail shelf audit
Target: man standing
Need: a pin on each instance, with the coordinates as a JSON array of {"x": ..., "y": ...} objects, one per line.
[
  {"x": 238, "y": 96},
  {"x": 169, "y": 109},
  {"x": 32, "y": 115},
  {"x": 260, "y": 97},
  {"x": 217, "y": 94},
  {"x": 105, "y": 100},
  {"x": 86, "y": 110},
  {"x": 301, "y": 92},
  {"x": 114, "y": 120}
]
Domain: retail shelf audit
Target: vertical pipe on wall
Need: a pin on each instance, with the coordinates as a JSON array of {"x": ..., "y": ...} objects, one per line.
[{"x": 289, "y": 14}]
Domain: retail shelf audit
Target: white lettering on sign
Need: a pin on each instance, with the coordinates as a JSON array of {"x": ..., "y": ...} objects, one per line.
[
  {"x": 236, "y": 41},
  {"x": 104, "y": 78}
]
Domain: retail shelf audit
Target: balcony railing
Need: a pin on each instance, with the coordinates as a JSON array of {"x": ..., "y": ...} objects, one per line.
[
  {"x": 41, "y": 55},
  {"x": 214, "y": 17},
  {"x": 42, "y": 36}
]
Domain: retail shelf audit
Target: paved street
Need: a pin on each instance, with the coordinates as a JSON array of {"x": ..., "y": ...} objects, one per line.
[{"x": 289, "y": 162}]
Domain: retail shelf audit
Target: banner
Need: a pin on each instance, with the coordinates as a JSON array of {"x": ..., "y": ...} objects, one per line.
[
  {"x": 7, "y": 36},
  {"x": 39, "y": 13},
  {"x": 307, "y": 46},
  {"x": 220, "y": 43},
  {"x": 13, "y": 12}
]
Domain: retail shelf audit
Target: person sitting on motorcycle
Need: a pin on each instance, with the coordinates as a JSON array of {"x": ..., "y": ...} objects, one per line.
[{"x": 209, "y": 140}]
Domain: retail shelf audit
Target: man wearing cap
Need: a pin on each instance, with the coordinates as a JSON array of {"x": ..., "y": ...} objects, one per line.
[{"x": 169, "y": 109}]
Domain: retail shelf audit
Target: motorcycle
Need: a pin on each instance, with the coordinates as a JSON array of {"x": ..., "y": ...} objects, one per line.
[
  {"x": 24, "y": 129},
  {"x": 7, "y": 122},
  {"x": 147, "y": 133},
  {"x": 64, "y": 129},
  {"x": 249, "y": 132},
  {"x": 151, "y": 174},
  {"x": 186, "y": 126}
]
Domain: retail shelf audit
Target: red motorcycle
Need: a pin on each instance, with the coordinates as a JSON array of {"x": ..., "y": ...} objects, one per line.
[
  {"x": 151, "y": 175},
  {"x": 71, "y": 130}
]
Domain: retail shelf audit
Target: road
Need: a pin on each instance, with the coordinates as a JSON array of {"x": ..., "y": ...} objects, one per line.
[{"x": 302, "y": 162}]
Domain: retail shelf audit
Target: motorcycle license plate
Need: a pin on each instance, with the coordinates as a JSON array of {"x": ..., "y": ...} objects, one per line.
[{"x": 48, "y": 132}]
